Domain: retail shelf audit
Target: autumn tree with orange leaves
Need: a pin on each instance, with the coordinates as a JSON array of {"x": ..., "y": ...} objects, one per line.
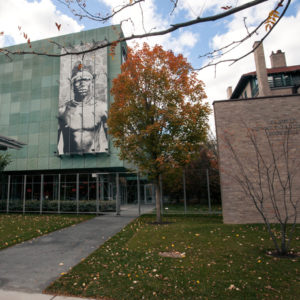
[{"x": 158, "y": 117}]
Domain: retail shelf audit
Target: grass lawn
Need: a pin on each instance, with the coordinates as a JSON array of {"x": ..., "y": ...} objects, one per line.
[
  {"x": 190, "y": 208},
  {"x": 221, "y": 262},
  {"x": 16, "y": 228}
]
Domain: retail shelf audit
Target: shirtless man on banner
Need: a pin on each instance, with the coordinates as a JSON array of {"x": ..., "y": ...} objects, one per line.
[{"x": 82, "y": 120}]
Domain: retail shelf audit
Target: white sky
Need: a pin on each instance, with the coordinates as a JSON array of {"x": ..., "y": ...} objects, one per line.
[{"x": 37, "y": 18}]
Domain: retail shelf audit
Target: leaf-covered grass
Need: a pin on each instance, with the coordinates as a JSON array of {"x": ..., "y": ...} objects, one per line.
[
  {"x": 191, "y": 208},
  {"x": 16, "y": 228},
  {"x": 221, "y": 262}
]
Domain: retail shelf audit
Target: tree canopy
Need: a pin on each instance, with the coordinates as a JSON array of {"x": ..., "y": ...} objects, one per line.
[
  {"x": 203, "y": 160},
  {"x": 158, "y": 117}
]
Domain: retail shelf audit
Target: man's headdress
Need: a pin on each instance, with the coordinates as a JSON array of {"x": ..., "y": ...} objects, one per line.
[{"x": 78, "y": 68}]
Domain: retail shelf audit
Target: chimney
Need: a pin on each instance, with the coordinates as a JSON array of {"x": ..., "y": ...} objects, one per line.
[
  {"x": 278, "y": 59},
  {"x": 229, "y": 92},
  {"x": 261, "y": 71}
]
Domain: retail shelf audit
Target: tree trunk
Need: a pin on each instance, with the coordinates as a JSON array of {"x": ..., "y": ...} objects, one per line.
[
  {"x": 157, "y": 200},
  {"x": 283, "y": 250}
]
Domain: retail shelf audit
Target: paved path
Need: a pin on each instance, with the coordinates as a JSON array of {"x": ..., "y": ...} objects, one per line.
[
  {"x": 33, "y": 265},
  {"x": 11, "y": 295}
]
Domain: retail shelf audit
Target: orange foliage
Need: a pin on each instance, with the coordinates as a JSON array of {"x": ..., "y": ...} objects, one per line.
[
  {"x": 25, "y": 35},
  {"x": 112, "y": 51},
  {"x": 158, "y": 116},
  {"x": 58, "y": 26}
]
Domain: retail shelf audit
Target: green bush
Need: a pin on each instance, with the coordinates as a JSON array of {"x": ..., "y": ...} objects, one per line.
[{"x": 52, "y": 206}]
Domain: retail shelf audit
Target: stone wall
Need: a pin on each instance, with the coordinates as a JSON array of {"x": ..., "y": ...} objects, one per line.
[{"x": 271, "y": 121}]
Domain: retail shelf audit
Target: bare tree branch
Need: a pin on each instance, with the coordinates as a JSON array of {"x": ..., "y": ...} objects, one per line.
[
  {"x": 237, "y": 43},
  {"x": 266, "y": 176},
  {"x": 175, "y": 2},
  {"x": 142, "y": 14},
  {"x": 245, "y": 24},
  {"x": 84, "y": 13},
  {"x": 172, "y": 28}
]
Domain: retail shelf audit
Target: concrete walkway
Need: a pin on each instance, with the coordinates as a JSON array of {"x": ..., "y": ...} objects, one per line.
[
  {"x": 11, "y": 295},
  {"x": 31, "y": 266}
]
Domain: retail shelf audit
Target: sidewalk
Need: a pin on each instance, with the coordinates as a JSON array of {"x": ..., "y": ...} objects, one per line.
[
  {"x": 31, "y": 266},
  {"x": 9, "y": 295}
]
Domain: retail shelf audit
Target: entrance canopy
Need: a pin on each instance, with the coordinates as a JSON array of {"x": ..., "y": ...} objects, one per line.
[{"x": 8, "y": 143}]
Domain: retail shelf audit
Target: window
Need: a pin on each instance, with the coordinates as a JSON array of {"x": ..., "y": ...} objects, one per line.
[
  {"x": 280, "y": 80},
  {"x": 124, "y": 54},
  {"x": 254, "y": 87}
]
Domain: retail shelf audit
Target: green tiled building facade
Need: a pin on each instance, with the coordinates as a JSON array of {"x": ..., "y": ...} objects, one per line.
[{"x": 39, "y": 178}]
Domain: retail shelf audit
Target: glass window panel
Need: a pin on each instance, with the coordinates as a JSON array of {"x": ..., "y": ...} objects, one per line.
[
  {"x": 83, "y": 177},
  {"x": 107, "y": 192},
  {"x": 87, "y": 193},
  {"x": 17, "y": 179},
  {"x": 16, "y": 193},
  {"x": 37, "y": 179},
  {"x": 68, "y": 195},
  {"x": 92, "y": 190},
  {"x": 50, "y": 197},
  {"x": 71, "y": 178},
  {"x": 277, "y": 80},
  {"x": 33, "y": 194},
  {"x": 3, "y": 196}
]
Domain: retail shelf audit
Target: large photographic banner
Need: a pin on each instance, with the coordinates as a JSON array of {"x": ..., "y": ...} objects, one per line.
[{"x": 82, "y": 113}]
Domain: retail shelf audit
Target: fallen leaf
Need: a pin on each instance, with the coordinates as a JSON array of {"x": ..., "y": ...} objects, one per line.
[
  {"x": 58, "y": 26},
  {"x": 172, "y": 254},
  {"x": 226, "y": 7}
]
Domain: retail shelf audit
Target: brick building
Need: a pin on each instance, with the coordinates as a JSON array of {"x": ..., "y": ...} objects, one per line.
[
  {"x": 254, "y": 134},
  {"x": 280, "y": 79}
]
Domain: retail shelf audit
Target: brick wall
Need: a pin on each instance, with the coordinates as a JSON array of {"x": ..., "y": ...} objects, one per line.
[{"x": 279, "y": 117}]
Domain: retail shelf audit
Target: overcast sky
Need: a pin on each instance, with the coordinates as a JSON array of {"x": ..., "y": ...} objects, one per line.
[{"x": 37, "y": 18}]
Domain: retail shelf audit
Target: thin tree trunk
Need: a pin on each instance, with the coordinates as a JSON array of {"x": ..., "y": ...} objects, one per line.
[
  {"x": 283, "y": 249},
  {"x": 157, "y": 200}
]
